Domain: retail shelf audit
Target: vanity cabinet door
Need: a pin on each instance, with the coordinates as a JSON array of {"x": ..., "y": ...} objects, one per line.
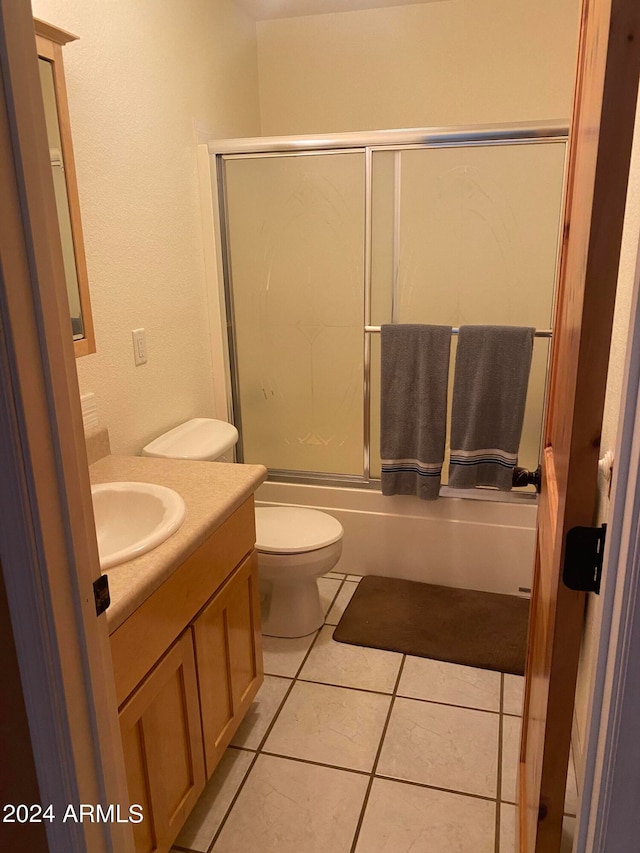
[
  {"x": 229, "y": 658},
  {"x": 162, "y": 740}
]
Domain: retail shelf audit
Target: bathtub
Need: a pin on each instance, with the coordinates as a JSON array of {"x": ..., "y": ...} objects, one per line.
[{"x": 485, "y": 544}]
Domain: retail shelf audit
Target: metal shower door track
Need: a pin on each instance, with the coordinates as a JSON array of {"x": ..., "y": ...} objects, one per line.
[{"x": 526, "y": 131}]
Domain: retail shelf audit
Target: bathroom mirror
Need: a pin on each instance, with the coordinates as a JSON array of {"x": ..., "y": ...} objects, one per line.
[{"x": 49, "y": 42}]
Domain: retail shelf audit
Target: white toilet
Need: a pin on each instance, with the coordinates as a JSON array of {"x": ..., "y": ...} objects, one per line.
[
  {"x": 295, "y": 545},
  {"x": 200, "y": 439}
]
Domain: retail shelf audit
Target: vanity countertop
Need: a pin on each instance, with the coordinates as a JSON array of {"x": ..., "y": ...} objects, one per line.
[{"x": 211, "y": 491}]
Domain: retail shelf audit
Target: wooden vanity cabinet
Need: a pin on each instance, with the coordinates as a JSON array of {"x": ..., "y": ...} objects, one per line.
[
  {"x": 228, "y": 651},
  {"x": 162, "y": 742},
  {"x": 187, "y": 665}
]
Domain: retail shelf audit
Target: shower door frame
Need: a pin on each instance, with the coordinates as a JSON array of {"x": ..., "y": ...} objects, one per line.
[{"x": 367, "y": 143}]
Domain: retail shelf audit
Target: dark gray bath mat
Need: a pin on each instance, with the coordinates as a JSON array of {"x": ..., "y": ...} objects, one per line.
[{"x": 480, "y": 629}]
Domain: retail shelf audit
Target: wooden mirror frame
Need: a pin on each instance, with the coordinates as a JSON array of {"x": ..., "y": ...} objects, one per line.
[{"x": 49, "y": 42}]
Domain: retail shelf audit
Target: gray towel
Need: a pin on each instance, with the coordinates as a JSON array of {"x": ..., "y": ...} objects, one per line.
[
  {"x": 413, "y": 411},
  {"x": 489, "y": 395}
]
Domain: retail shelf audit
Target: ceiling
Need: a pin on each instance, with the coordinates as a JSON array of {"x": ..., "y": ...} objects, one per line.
[{"x": 265, "y": 9}]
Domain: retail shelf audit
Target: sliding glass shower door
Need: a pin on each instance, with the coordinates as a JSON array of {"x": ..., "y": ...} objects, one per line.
[
  {"x": 322, "y": 247},
  {"x": 295, "y": 239},
  {"x": 468, "y": 235}
]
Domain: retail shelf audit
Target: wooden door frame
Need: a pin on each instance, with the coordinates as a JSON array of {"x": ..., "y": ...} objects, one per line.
[
  {"x": 609, "y": 818},
  {"x": 47, "y": 536}
]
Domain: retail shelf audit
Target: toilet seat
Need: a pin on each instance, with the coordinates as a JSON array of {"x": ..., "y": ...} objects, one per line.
[{"x": 294, "y": 530}]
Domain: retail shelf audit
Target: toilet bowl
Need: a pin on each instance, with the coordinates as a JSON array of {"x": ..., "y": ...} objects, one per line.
[{"x": 295, "y": 545}]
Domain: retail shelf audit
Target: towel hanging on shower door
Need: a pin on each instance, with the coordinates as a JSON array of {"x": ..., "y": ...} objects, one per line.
[
  {"x": 489, "y": 396},
  {"x": 413, "y": 410}
]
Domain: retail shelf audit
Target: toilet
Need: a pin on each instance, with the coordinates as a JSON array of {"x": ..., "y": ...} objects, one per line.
[
  {"x": 295, "y": 545},
  {"x": 202, "y": 439}
]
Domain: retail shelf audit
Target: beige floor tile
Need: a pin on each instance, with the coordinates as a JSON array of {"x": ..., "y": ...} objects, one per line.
[
  {"x": 513, "y": 694},
  {"x": 511, "y": 727},
  {"x": 423, "y": 678},
  {"x": 284, "y": 656},
  {"x": 354, "y": 578},
  {"x": 206, "y": 817},
  {"x": 332, "y": 725},
  {"x": 335, "y": 575},
  {"x": 508, "y": 828},
  {"x": 340, "y": 604},
  {"x": 403, "y": 818},
  {"x": 291, "y": 807},
  {"x": 261, "y": 711},
  {"x": 454, "y": 748},
  {"x": 328, "y": 588},
  {"x": 351, "y": 666}
]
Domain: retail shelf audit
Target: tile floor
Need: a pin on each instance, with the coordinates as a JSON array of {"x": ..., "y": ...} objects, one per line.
[{"x": 354, "y": 750}]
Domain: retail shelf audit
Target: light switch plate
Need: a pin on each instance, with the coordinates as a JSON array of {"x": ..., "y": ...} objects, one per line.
[{"x": 139, "y": 346}]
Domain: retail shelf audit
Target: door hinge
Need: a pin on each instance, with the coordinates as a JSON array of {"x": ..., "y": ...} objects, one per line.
[
  {"x": 583, "y": 555},
  {"x": 101, "y": 594}
]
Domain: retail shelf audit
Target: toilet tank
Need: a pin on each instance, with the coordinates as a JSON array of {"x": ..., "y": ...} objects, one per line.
[{"x": 203, "y": 439}]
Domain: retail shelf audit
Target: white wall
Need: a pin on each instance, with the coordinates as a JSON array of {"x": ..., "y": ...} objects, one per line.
[
  {"x": 628, "y": 257},
  {"x": 144, "y": 78},
  {"x": 446, "y": 63}
]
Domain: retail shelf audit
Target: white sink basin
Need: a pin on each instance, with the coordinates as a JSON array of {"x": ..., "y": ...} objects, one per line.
[{"x": 133, "y": 518}]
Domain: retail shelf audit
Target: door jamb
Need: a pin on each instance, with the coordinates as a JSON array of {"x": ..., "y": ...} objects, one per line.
[
  {"x": 609, "y": 818},
  {"x": 47, "y": 536}
]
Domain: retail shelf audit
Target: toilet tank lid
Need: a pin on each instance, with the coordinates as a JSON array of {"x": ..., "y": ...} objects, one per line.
[
  {"x": 197, "y": 439},
  {"x": 294, "y": 530}
]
